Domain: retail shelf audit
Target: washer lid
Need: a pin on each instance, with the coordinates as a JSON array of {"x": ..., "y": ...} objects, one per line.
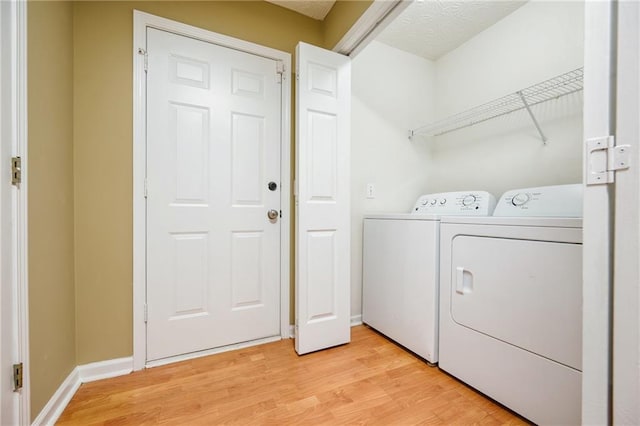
[
  {"x": 549, "y": 222},
  {"x": 402, "y": 216}
]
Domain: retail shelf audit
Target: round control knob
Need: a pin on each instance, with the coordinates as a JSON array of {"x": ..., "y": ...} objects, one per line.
[
  {"x": 424, "y": 202},
  {"x": 443, "y": 201},
  {"x": 520, "y": 199},
  {"x": 433, "y": 202},
  {"x": 468, "y": 200}
]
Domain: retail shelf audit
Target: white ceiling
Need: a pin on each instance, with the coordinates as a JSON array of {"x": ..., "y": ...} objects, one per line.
[
  {"x": 316, "y": 9},
  {"x": 431, "y": 28}
]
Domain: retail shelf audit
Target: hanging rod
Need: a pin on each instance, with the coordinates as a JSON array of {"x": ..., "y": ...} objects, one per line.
[{"x": 554, "y": 88}]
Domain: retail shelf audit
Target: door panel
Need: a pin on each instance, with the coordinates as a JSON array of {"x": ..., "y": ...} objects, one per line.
[
  {"x": 322, "y": 161},
  {"x": 525, "y": 293},
  {"x": 190, "y": 274},
  {"x": 247, "y": 263},
  {"x": 189, "y": 130},
  {"x": 213, "y": 144},
  {"x": 323, "y": 220},
  {"x": 247, "y": 174},
  {"x": 322, "y": 276}
]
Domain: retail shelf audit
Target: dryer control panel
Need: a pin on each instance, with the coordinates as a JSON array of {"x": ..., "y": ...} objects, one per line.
[
  {"x": 466, "y": 203},
  {"x": 544, "y": 201}
]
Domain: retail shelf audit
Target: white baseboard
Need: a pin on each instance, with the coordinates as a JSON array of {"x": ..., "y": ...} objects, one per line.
[
  {"x": 58, "y": 402},
  {"x": 105, "y": 369},
  {"x": 356, "y": 320},
  {"x": 81, "y": 374}
]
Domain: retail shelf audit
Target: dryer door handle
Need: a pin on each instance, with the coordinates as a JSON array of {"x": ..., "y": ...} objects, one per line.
[{"x": 464, "y": 281}]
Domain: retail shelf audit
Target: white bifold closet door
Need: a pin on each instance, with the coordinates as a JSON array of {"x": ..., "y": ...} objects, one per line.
[{"x": 323, "y": 90}]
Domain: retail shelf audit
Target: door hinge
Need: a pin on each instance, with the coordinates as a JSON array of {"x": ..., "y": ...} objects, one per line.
[
  {"x": 17, "y": 377},
  {"x": 16, "y": 170},
  {"x": 604, "y": 158},
  {"x": 141, "y": 51},
  {"x": 280, "y": 71},
  {"x": 146, "y": 313}
]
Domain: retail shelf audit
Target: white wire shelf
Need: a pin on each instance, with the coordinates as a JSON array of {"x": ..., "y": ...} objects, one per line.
[{"x": 554, "y": 88}]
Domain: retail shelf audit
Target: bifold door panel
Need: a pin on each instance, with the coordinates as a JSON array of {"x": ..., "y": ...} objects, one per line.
[
  {"x": 323, "y": 232},
  {"x": 526, "y": 293}
]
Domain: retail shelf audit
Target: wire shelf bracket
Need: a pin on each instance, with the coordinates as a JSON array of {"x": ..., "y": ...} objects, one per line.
[{"x": 554, "y": 88}]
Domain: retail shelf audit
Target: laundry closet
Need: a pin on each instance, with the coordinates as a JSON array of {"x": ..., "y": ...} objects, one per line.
[
  {"x": 394, "y": 91},
  {"x": 475, "y": 96}
]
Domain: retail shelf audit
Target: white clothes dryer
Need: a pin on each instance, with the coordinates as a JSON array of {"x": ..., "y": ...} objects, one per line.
[
  {"x": 511, "y": 302},
  {"x": 400, "y": 268}
]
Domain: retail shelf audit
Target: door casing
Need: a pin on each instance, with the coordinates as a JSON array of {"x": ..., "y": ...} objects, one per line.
[
  {"x": 599, "y": 101},
  {"x": 141, "y": 22},
  {"x": 14, "y": 331}
]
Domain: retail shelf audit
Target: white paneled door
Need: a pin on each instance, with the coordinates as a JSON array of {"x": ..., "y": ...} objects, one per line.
[
  {"x": 323, "y": 234},
  {"x": 213, "y": 196}
]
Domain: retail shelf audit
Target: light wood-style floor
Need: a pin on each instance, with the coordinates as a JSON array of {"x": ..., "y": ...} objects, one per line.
[{"x": 369, "y": 381}]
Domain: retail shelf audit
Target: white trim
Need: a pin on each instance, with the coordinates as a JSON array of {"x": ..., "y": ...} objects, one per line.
[
  {"x": 356, "y": 320},
  {"x": 292, "y": 331},
  {"x": 105, "y": 369},
  {"x": 59, "y": 401},
  {"x": 597, "y": 248},
  {"x": 22, "y": 213},
  {"x": 141, "y": 22},
  {"x": 14, "y": 143},
  {"x": 369, "y": 25},
  {"x": 81, "y": 374},
  {"x": 626, "y": 297}
]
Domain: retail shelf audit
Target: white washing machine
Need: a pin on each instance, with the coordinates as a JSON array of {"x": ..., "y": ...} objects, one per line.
[
  {"x": 400, "y": 268},
  {"x": 511, "y": 302}
]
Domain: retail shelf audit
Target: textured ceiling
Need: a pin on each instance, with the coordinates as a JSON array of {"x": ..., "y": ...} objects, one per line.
[
  {"x": 431, "y": 28},
  {"x": 316, "y": 9}
]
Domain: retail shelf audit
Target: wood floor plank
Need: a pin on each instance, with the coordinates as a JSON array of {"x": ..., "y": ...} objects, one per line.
[{"x": 369, "y": 381}]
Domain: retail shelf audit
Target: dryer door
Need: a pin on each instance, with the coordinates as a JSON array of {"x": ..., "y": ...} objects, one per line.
[{"x": 525, "y": 293}]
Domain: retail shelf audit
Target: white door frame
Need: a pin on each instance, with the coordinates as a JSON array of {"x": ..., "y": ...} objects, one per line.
[
  {"x": 599, "y": 104},
  {"x": 13, "y": 215},
  {"x": 371, "y": 23},
  {"x": 626, "y": 294},
  {"x": 141, "y": 21}
]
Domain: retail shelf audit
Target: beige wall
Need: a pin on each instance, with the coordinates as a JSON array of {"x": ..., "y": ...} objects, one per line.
[
  {"x": 341, "y": 18},
  {"x": 50, "y": 171}
]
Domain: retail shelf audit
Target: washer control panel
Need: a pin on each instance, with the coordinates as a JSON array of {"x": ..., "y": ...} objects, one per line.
[
  {"x": 467, "y": 203},
  {"x": 544, "y": 201}
]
